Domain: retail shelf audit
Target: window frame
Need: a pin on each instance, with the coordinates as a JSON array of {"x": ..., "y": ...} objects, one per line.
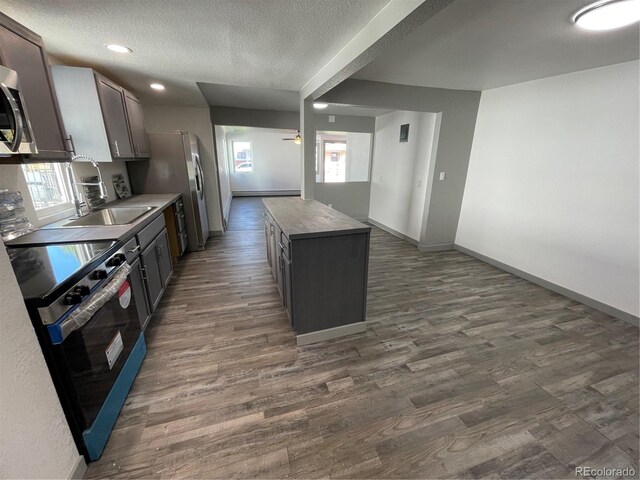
[
  {"x": 233, "y": 158},
  {"x": 64, "y": 187}
]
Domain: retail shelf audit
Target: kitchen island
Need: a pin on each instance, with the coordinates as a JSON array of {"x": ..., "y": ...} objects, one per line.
[{"x": 319, "y": 258}]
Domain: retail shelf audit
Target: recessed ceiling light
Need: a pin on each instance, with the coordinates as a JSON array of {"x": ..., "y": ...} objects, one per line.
[
  {"x": 157, "y": 86},
  {"x": 320, "y": 106},
  {"x": 118, "y": 48},
  {"x": 608, "y": 14}
]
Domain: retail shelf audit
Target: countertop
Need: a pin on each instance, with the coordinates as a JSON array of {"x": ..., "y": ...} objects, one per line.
[
  {"x": 114, "y": 232},
  {"x": 299, "y": 218}
]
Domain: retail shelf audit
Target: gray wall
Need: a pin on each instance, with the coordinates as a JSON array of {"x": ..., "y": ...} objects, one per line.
[
  {"x": 244, "y": 117},
  {"x": 345, "y": 123},
  {"x": 459, "y": 110}
]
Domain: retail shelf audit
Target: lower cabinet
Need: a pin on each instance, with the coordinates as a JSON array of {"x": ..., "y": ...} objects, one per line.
[
  {"x": 157, "y": 267},
  {"x": 152, "y": 275},
  {"x": 137, "y": 285}
]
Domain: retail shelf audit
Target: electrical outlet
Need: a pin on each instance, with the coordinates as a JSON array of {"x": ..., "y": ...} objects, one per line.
[
  {"x": 443, "y": 175},
  {"x": 332, "y": 119},
  {"x": 330, "y": 205}
]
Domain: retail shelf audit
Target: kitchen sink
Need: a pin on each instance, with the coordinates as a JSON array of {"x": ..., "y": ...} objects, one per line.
[{"x": 104, "y": 218}]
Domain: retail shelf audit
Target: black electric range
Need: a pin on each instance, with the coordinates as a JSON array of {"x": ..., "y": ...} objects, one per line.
[{"x": 83, "y": 305}]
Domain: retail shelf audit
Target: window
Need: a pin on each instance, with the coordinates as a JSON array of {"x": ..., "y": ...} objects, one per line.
[
  {"x": 342, "y": 157},
  {"x": 242, "y": 156},
  {"x": 47, "y": 184}
]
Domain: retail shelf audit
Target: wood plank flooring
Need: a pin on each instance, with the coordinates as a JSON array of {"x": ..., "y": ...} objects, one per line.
[{"x": 465, "y": 372}]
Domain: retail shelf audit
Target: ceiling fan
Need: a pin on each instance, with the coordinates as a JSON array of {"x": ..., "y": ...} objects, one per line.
[{"x": 297, "y": 139}]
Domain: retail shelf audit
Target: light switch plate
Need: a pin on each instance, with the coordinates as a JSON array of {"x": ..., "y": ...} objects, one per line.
[
  {"x": 332, "y": 119},
  {"x": 443, "y": 175}
]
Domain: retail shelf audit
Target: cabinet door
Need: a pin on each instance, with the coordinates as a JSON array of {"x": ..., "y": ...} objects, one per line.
[
  {"x": 267, "y": 230},
  {"x": 152, "y": 276},
  {"x": 287, "y": 293},
  {"x": 273, "y": 251},
  {"x": 136, "y": 125},
  {"x": 23, "y": 51},
  {"x": 137, "y": 286},
  {"x": 115, "y": 117},
  {"x": 164, "y": 257}
]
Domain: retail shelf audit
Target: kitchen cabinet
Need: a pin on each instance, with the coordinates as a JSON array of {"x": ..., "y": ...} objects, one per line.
[
  {"x": 151, "y": 274},
  {"x": 164, "y": 258},
  {"x": 104, "y": 120},
  {"x": 137, "y": 285},
  {"x": 319, "y": 259},
  {"x": 23, "y": 51},
  {"x": 114, "y": 113},
  {"x": 136, "y": 126}
]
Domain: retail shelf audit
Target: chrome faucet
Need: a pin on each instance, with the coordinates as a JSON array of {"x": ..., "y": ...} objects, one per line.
[{"x": 75, "y": 184}]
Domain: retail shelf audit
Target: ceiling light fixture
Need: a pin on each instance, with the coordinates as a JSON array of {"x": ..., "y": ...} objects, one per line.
[
  {"x": 320, "y": 106},
  {"x": 608, "y": 14},
  {"x": 157, "y": 86},
  {"x": 118, "y": 48}
]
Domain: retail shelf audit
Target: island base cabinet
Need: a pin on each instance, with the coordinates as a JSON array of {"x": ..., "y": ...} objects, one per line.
[{"x": 328, "y": 281}]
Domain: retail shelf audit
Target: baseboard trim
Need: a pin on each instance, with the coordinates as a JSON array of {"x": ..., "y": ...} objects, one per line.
[
  {"x": 438, "y": 247},
  {"x": 77, "y": 473},
  {"x": 393, "y": 232},
  {"x": 329, "y": 333},
  {"x": 216, "y": 233},
  {"x": 578, "y": 297},
  {"x": 267, "y": 193}
]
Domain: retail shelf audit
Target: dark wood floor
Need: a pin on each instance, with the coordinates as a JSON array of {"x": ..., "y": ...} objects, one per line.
[{"x": 465, "y": 372}]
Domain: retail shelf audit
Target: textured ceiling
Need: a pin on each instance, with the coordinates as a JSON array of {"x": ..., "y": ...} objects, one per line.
[
  {"x": 482, "y": 44},
  {"x": 260, "y": 43}
]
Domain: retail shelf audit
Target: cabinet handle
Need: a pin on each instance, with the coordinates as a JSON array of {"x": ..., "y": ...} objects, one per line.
[
  {"x": 136, "y": 149},
  {"x": 73, "y": 146},
  {"x": 115, "y": 143},
  {"x": 282, "y": 247},
  {"x": 134, "y": 249},
  {"x": 144, "y": 273},
  {"x": 158, "y": 251}
]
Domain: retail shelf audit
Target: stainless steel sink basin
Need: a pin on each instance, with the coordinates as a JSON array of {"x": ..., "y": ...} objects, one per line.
[{"x": 104, "y": 218}]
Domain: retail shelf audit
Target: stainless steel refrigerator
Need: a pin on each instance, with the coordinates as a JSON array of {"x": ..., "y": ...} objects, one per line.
[{"x": 175, "y": 167}]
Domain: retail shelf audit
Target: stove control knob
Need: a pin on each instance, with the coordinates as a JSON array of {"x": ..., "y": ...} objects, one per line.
[
  {"x": 83, "y": 290},
  {"x": 72, "y": 298},
  {"x": 98, "y": 275},
  {"x": 117, "y": 260}
]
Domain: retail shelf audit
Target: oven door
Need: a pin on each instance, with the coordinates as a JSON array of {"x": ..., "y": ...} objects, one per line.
[
  {"x": 15, "y": 128},
  {"x": 93, "y": 343}
]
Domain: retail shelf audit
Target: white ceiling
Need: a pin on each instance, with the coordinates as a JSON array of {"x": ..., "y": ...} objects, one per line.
[
  {"x": 482, "y": 44},
  {"x": 260, "y": 43}
]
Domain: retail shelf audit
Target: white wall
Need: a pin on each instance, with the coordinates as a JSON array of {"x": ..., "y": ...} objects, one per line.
[
  {"x": 399, "y": 174},
  {"x": 552, "y": 187},
  {"x": 163, "y": 119},
  {"x": 35, "y": 440},
  {"x": 358, "y": 156},
  {"x": 223, "y": 170},
  {"x": 276, "y": 163}
]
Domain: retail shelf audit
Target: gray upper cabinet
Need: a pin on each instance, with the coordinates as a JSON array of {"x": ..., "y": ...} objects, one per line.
[
  {"x": 23, "y": 51},
  {"x": 114, "y": 113},
  {"x": 136, "y": 126},
  {"x": 105, "y": 120}
]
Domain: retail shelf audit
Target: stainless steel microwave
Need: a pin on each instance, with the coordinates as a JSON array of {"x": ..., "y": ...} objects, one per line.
[{"x": 16, "y": 135}]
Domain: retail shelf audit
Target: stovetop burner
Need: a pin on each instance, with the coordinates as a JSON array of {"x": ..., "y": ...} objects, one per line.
[{"x": 43, "y": 270}]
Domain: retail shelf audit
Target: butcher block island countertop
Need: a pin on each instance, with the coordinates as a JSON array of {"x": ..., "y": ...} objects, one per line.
[
  {"x": 299, "y": 218},
  {"x": 111, "y": 232},
  {"x": 319, "y": 259}
]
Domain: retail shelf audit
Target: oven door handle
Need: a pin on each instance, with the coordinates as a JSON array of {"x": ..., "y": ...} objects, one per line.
[
  {"x": 17, "y": 116},
  {"x": 81, "y": 315}
]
